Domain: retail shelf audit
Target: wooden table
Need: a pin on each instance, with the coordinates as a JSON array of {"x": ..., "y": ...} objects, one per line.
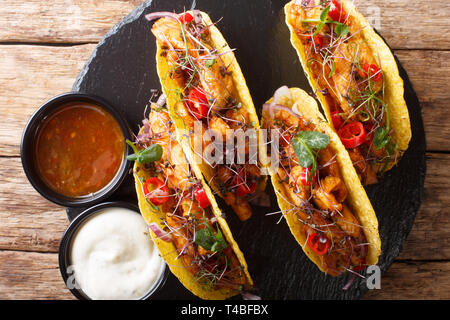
[{"x": 43, "y": 46}]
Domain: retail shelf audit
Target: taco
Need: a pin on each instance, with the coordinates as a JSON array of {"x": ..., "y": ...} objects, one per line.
[
  {"x": 206, "y": 90},
  {"x": 356, "y": 79},
  {"x": 186, "y": 222},
  {"x": 317, "y": 187}
]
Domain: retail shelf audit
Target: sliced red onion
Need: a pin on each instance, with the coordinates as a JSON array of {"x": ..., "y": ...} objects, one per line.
[
  {"x": 162, "y": 14},
  {"x": 161, "y": 100},
  {"x": 281, "y": 92},
  {"x": 260, "y": 198},
  {"x": 249, "y": 296},
  {"x": 160, "y": 233},
  {"x": 350, "y": 281}
]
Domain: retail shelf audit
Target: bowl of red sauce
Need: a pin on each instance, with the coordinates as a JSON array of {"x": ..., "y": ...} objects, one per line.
[{"x": 73, "y": 149}]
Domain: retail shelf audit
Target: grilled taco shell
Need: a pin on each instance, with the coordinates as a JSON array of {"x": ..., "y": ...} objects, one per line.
[{"x": 356, "y": 200}]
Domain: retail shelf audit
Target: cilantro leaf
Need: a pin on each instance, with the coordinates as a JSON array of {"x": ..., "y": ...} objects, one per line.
[
  {"x": 341, "y": 29},
  {"x": 210, "y": 241}
]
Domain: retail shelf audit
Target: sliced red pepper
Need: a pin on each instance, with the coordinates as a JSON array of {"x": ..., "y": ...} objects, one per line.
[
  {"x": 285, "y": 140},
  {"x": 361, "y": 267},
  {"x": 243, "y": 188},
  {"x": 372, "y": 71},
  {"x": 336, "y": 119},
  {"x": 186, "y": 18},
  {"x": 317, "y": 41},
  {"x": 336, "y": 12},
  {"x": 352, "y": 135},
  {"x": 160, "y": 192},
  {"x": 201, "y": 197},
  {"x": 305, "y": 176},
  {"x": 318, "y": 243},
  {"x": 198, "y": 103}
]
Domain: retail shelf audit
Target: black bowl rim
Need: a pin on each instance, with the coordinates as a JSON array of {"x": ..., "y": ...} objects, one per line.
[
  {"x": 29, "y": 133},
  {"x": 66, "y": 240}
]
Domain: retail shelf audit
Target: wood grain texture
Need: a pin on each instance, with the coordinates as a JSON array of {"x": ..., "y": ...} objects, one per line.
[
  {"x": 56, "y": 21},
  {"x": 31, "y": 275},
  {"x": 80, "y": 21},
  {"x": 27, "y": 221},
  {"x": 414, "y": 281},
  {"x": 32, "y": 74},
  {"x": 36, "y": 276}
]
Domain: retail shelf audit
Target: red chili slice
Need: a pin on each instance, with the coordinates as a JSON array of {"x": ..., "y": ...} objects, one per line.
[
  {"x": 361, "y": 267},
  {"x": 243, "y": 188},
  {"x": 318, "y": 243},
  {"x": 372, "y": 71},
  {"x": 160, "y": 192},
  {"x": 186, "y": 18},
  {"x": 305, "y": 176},
  {"x": 352, "y": 135},
  {"x": 336, "y": 12},
  {"x": 317, "y": 41},
  {"x": 201, "y": 197},
  {"x": 336, "y": 119},
  {"x": 198, "y": 103}
]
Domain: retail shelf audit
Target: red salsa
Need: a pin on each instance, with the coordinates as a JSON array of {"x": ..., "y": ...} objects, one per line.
[{"x": 79, "y": 149}]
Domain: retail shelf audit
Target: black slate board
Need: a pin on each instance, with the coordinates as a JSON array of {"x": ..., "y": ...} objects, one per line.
[{"x": 122, "y": 70}]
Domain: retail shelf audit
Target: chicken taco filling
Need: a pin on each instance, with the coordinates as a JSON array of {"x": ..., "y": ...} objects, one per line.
[
  {"x": 208, "y": 96},
  {"x": 349, "y": 76},
  {"x": 311, "y": 183},
  {"x": 170, "y": 187}
]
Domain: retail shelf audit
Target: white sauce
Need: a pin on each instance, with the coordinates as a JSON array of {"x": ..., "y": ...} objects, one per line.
[{"x": 114, "y": 257}]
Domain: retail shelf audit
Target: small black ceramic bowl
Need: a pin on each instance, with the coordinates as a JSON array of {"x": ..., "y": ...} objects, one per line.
[
  {"x": 28, "y": 144},
  {"x": 65, "y": 249}
]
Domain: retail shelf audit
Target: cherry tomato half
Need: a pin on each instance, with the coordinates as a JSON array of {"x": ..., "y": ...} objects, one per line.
[
  {"x": 318, "y": 243},
  {"x": 160, "y": 192},
  {"x": 198, "y": 103},
  {"x": 372, "y": 71},
  {"x": 285, "y": 140},
  {"x": 352, "y": 135},
  {"x": 305, "y": 177},
  {"x": 336, "y": 12},
  {"x": 336, "y": 119},
  {"x": 186, "y": 18},
  {"x": 201, "y": 197}
]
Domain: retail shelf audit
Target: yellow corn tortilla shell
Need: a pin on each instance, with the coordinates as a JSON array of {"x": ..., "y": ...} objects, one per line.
[
  {"x": 393, "y": 97},
  {"x": 168, "y": 250},
  {"x": 174, "y": 95},
  {"x": 357, "y": 198}
]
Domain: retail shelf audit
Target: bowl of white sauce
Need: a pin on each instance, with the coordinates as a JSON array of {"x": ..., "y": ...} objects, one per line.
[{"x": 107, "y": 253}]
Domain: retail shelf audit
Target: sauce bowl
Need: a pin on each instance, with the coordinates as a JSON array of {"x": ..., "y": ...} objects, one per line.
[
  {"x": 29, "y": 144},
  {"x": 66, "y": 246}
]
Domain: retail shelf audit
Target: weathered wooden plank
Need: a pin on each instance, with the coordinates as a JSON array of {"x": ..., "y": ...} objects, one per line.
[
  {"x": 32, "y": 74},
  {"x": 31, "y": 275},
  {"x": 404, "y": 24},
  {"x": 429, "y": 74},
  {"x": 56, "y": 21},
  {"x": 430, "y": 236},
  {"x": 413, "y": 281},
  {"x": 29, "y": 222}
]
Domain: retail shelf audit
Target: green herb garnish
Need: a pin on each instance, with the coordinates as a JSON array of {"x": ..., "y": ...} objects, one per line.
[
  {"x": 210, "y": 241},
  {"x": 147, "y": 155},
  {"x": 306, "y": 144},
  {"x": 341, "y": 28}
]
